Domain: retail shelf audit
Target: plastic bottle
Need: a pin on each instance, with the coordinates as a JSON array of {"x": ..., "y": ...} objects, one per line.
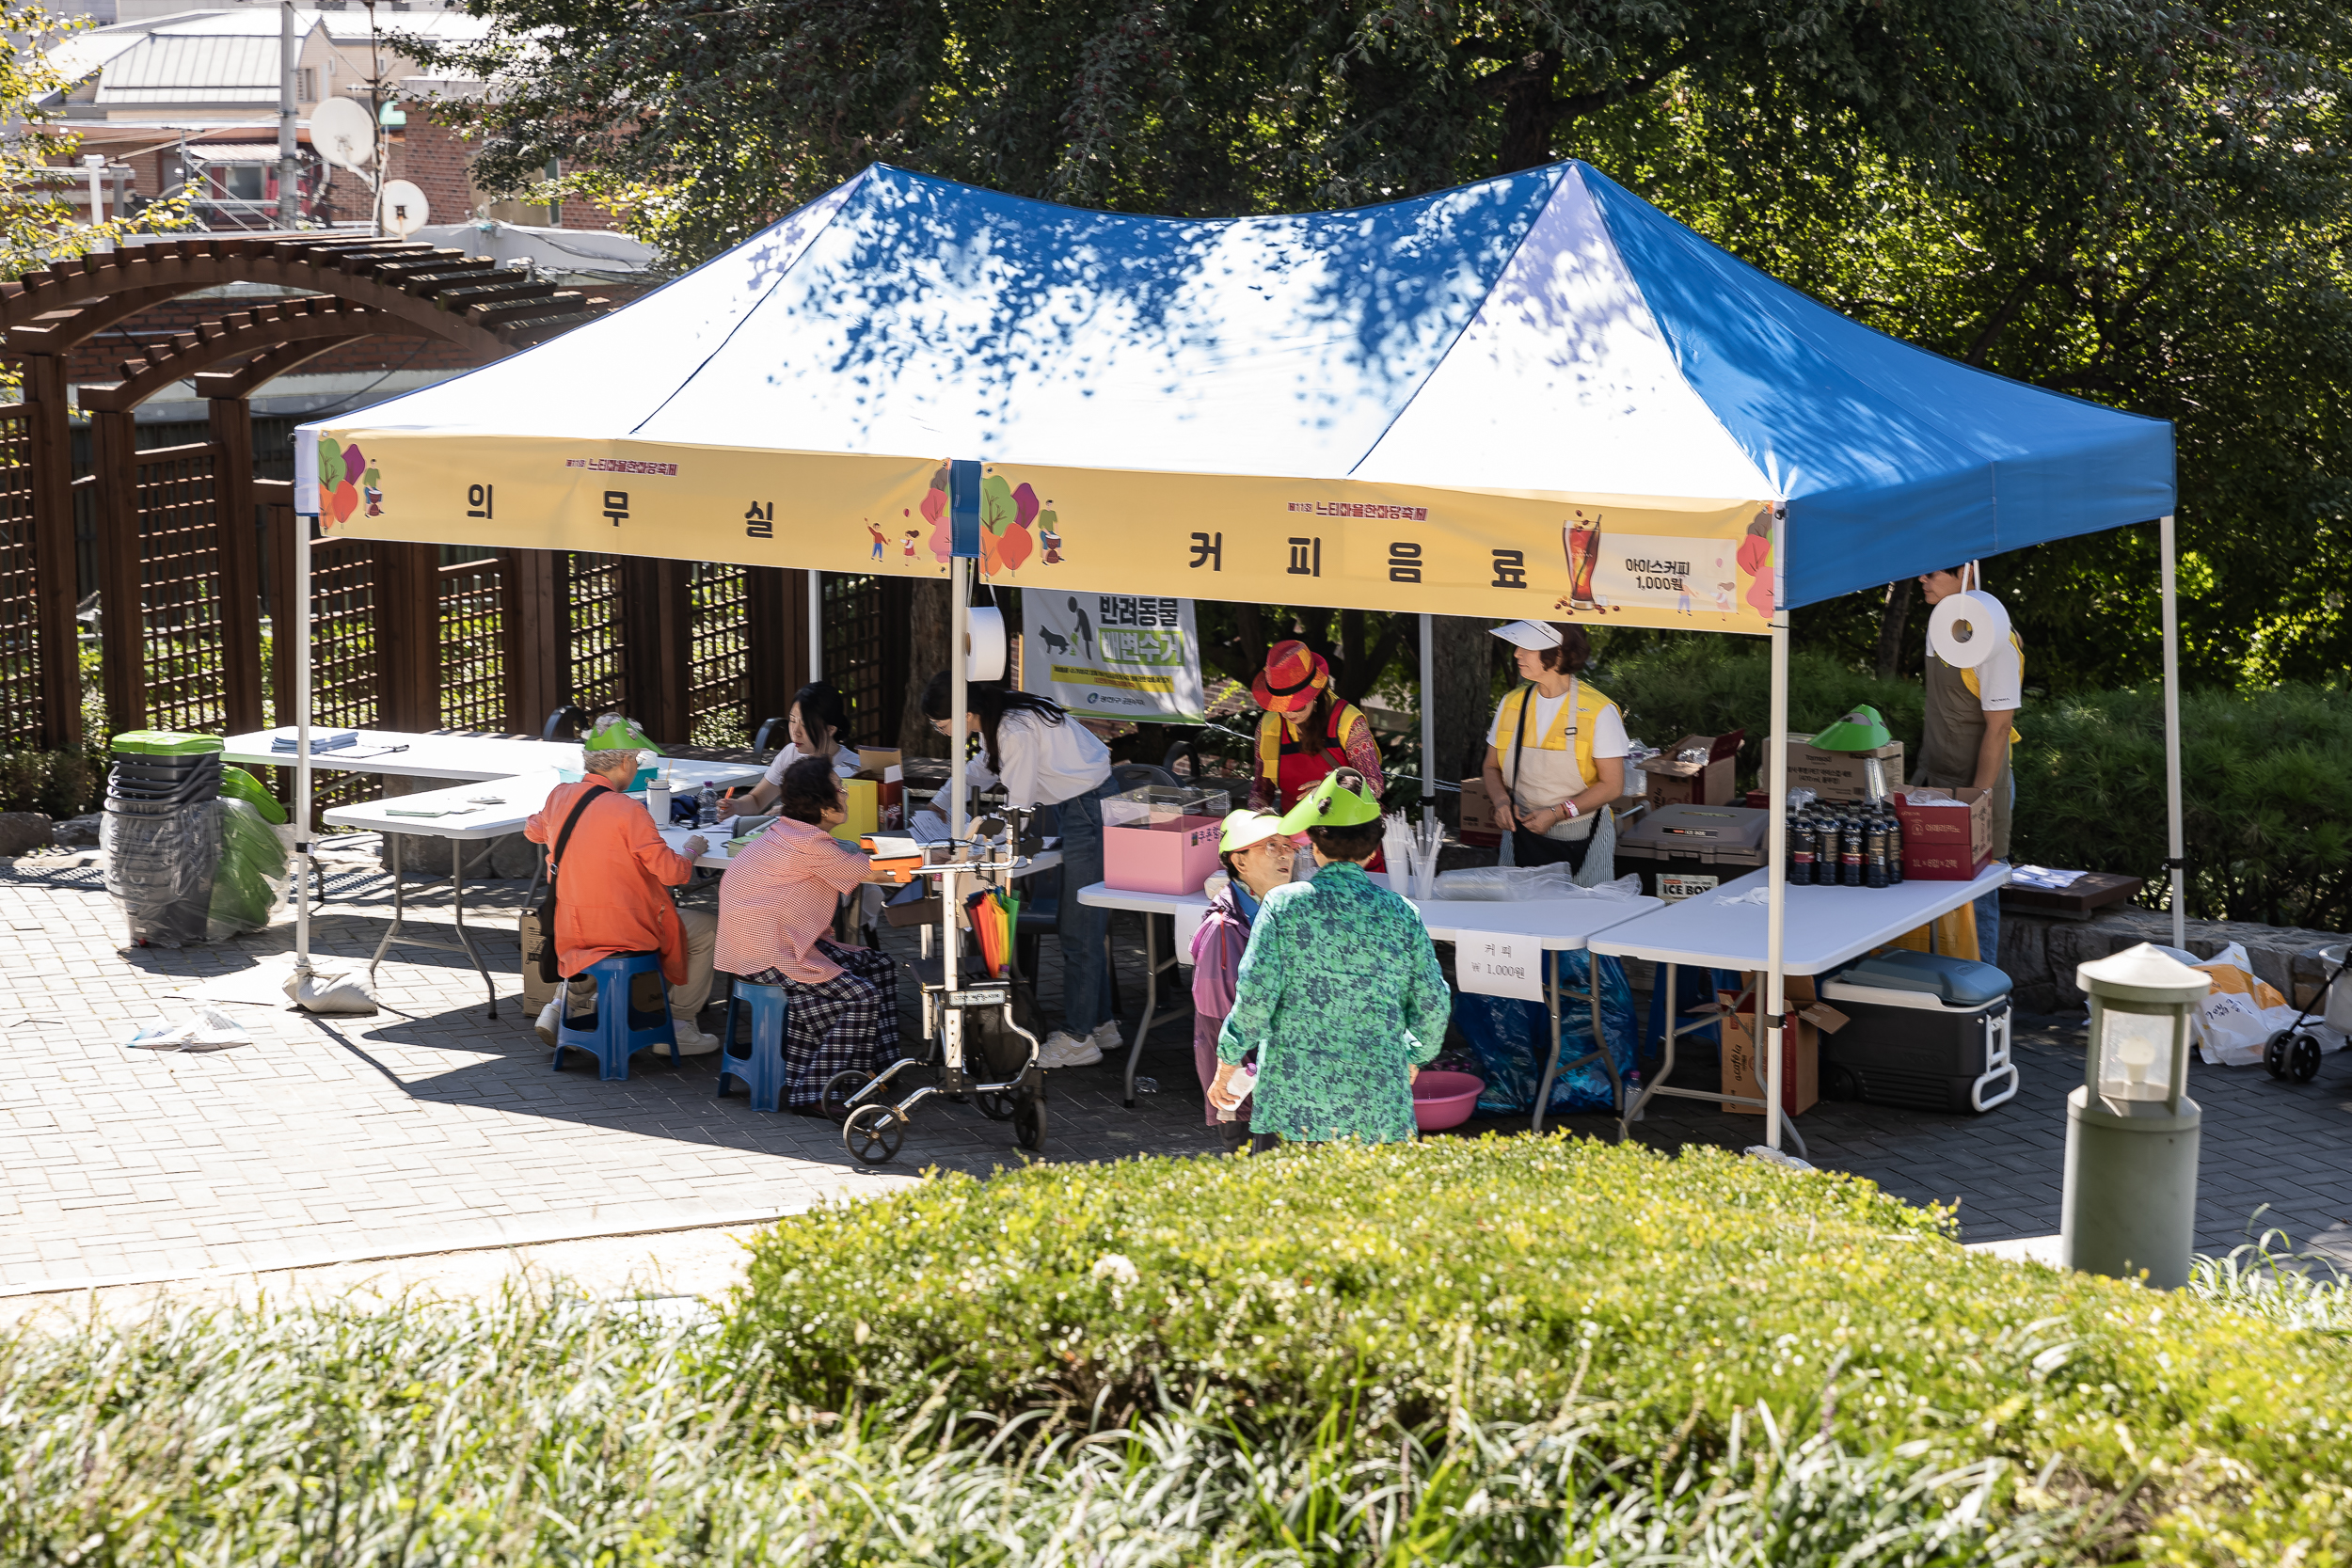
[
  {"x": 1801, "y": 851},
  {"x": 1851, "y": 852},
  {"x": 706, "y": 806},
  {"x": 1893, "y": 849},
  {"x": 1874, "y": 853}
]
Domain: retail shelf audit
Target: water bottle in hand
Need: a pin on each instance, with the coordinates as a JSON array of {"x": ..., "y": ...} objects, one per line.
[{"x": 707, "y": 807}]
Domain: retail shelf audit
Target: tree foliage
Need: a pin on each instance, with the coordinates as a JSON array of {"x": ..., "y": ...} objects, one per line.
[{"x": 2137, "y": 202}]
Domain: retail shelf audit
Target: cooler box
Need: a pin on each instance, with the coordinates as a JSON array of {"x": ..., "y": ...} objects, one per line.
[
  {"x": 1925, "y": 1031},
  {"x": 1161, "y": 840},
  {"x": 1682, "y": 851}
]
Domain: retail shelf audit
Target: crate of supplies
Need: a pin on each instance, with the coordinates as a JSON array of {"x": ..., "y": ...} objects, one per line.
[
  {"x": 1947, "y": 833},
  {"x": 1161, "y": 840},
  {"x": 1841, "y": 775},
  {"x": 1681, "y": 850},
  {"x": 1696, "y": 771}
]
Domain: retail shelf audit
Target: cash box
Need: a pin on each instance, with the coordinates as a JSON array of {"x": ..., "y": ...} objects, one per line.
[
  {"x": 1682, "y": 851},
  {"x": 1925, "y": 1031}
]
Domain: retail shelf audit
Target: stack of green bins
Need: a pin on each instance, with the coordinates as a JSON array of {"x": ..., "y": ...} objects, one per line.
[{"x": 162, "y": 833}]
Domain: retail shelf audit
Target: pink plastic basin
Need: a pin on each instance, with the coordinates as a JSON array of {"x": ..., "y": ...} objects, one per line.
[{"x": 1443, "y": 1100}]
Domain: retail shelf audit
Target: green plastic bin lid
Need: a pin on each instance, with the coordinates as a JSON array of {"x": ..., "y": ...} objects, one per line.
[
  {"x": 238, "y": 784},
  {"x": 165, "y": 744}
]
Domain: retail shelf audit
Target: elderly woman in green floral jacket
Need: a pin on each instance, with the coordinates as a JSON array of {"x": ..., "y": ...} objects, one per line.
[{"x": 1340, "y": 991}]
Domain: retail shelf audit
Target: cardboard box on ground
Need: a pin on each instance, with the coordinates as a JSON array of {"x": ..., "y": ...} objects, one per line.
[
  {"x": 1840, "y": 775},
  {"x": 1673, "y": 782},
  {"x": 1801, "y": 1046}
]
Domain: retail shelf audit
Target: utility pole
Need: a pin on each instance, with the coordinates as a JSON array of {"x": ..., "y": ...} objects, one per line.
[{"x": 289, "y": 162}]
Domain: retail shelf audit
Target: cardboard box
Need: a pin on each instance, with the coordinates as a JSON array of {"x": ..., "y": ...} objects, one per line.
[
  {"x": 1479, "y": 826},
  {"x": 1694, "y": 783},
  {"x": 1801, "y": 1059},
  {"x": 1942, "y": 844},
  {"x": 876, "y": 796},
  {"x": 1839, "y": 775}
]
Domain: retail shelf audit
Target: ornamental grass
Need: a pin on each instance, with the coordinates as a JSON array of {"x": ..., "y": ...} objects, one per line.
[{"x": 1523, "y": 1351}]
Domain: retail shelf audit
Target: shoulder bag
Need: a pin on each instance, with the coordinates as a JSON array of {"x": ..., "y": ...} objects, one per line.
[{"x": 544, "y": 914}]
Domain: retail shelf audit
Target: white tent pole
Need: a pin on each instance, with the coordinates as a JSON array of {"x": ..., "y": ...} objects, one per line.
[
  {"x": 1428, "y": 721},
  {"x": 2173, "y": 734},
  {"x": 959, "y": 664},
  {"x": 295, "y": 621},
  {"x": 815, "y": 624},
  {"x": 1777, "y": 858}
]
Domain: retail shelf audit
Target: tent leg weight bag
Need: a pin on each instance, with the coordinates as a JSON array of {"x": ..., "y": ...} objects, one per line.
[{"x": 1927, "y": 1032}]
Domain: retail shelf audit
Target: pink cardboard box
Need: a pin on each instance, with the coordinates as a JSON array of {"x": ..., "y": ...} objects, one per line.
[{"x": 1173, "y": 856}]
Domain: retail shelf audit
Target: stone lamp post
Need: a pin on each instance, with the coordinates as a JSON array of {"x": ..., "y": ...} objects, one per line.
[{"x": 2131, "y": 1129}]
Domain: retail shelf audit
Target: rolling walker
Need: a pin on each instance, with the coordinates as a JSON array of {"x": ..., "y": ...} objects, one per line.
[{"x": 875, "y": 1127}]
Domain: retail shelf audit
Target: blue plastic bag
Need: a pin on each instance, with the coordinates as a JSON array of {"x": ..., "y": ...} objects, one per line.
[{"x": 1512, "y": 1039}]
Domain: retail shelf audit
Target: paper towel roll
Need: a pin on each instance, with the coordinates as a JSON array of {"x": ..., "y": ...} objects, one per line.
[
  {"x": 1966, "y": 628},
  {"x": 986, "y": 644}
]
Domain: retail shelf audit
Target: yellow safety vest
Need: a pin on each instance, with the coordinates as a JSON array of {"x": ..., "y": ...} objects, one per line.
[
  {"x": 1274, "y": 740},
  {"x": 1575, "y": 718}
]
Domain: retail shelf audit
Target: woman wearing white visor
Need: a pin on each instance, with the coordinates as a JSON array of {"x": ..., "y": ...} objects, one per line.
[{"x": 1556, "y": 753}]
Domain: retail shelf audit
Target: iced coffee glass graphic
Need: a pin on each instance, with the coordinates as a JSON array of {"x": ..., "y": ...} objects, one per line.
[{"x": 1581, "y": 540}]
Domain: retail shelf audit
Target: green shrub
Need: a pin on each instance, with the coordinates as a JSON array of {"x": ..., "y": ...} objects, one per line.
[
  {"x": 1497, "y": 1279},
  {"x": 551, "y": 1430},
  {"x": 59, "y": 784},
  {"x": 2267, "y": 776}
]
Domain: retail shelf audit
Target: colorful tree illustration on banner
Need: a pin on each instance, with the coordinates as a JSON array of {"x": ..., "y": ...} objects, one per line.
[
  {"x": 936, "y": 514},
  {"x": 341, "y": 472},
  {"x": 1005, "y": 516},
  {"x": 1756, "y": 560}
]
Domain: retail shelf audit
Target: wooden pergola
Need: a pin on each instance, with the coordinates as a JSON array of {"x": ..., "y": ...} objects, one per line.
[{"x": 175, "y": 534}]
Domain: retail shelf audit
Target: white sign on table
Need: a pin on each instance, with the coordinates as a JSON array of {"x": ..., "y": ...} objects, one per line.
[
  {"x": 1499, "y": 964},
  {"x": 1189, "y": 919}
]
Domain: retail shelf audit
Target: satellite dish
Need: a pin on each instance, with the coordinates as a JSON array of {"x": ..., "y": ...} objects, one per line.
[
  {"x": 401, "y": 207},
  {"x": 344, "y": 132}
]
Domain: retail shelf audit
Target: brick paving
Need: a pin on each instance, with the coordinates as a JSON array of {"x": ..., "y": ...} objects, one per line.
[{"x": 429, "y": 1127}]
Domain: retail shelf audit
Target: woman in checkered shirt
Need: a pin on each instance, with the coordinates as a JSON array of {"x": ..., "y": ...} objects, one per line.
[{"x": 775, "y": 905}]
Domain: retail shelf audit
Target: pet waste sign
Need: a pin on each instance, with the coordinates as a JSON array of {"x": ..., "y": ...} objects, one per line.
[{"x": 1113, "y": 656}]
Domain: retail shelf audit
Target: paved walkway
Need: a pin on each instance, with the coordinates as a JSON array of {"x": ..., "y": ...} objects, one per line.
[{"x": 431, "y": 1128}]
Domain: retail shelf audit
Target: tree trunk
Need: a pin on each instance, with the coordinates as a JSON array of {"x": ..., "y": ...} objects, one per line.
[
  {"x": 1529, "y": 113},
  {"x": 927, "y": 630},
  {"x": 1461, "y": 653},
  {"x": 1891, "y": 621}
]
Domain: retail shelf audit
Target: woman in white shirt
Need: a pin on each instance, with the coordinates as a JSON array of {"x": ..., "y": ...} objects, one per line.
[
  {"x": 1556, "y": 753},
  {"x": 1030, "y": 746},
  {"x": 816, "y": 720}
]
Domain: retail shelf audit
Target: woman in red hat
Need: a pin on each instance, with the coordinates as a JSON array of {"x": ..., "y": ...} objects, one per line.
[{"x": 1306, "y": 730}]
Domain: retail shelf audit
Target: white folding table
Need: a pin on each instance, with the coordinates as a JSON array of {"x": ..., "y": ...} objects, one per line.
[
  {"x": 408, "y": 755},
  {"x": 1553, "y": 925},
  {"x": 1825, "y": 926},
  {"x": 487, "y": 808}
]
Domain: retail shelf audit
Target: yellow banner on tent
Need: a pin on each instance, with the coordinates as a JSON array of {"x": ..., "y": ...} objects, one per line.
[{"x": 1705, "y": 563}]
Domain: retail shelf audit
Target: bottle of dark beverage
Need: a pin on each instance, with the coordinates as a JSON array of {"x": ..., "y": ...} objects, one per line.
[
  {"x": 1851, "y": 852},
  {"x": 1801, "y": 850},
  {"x": 1894, "y": 848},
  {"x": 1874, "y": 853}
]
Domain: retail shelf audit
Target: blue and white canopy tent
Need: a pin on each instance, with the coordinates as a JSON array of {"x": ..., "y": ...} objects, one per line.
[{"x": 1449, "y": 396}]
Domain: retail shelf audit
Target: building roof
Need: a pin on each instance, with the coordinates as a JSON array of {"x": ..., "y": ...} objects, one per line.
[{"x": 225, "y": 59}]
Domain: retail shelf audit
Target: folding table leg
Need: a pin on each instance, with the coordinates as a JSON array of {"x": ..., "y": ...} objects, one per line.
[
  {"x": 457, "y": 905},
  {"x": 1552, "y": 1062},
  {"x": 400, "y": 909},
  {"x": 1151, "y": 1000}
]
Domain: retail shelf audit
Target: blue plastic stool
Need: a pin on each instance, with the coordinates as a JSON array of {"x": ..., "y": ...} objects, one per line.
[
  {"x": 614, "y": 1034},
  {"x": 761, "y": 1072}
]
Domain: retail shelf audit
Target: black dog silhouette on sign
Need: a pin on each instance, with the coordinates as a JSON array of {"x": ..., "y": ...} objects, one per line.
[{"x": 1054, "y": 639}]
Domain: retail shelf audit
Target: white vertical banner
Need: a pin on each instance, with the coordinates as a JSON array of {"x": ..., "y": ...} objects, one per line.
[{"x": 1115, "y": 656}]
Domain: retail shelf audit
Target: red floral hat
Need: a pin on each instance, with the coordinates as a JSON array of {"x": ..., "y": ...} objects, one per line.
[{"x": 1293, "y": 678}]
